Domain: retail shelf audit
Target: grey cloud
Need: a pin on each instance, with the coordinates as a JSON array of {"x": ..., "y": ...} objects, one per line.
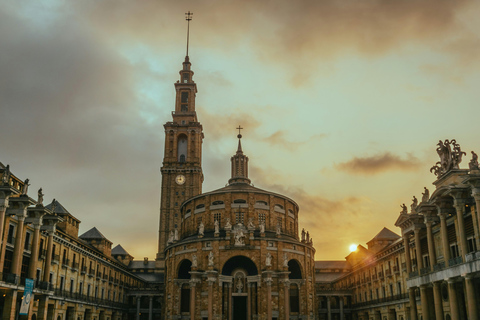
[{"x": 379, "y": 163}]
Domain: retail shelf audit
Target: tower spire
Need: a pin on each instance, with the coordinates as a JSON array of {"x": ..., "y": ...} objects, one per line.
[
  {"x": 188, "y": 17},
  {"x": 239, "y": 163}
]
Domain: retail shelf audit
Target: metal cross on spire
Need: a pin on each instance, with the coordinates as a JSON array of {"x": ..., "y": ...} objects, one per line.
[
  {"x": 188, "y": 17},
  {"x": 239, "y": 133}
]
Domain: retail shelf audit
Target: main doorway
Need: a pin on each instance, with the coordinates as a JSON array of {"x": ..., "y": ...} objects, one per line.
[{"x": 239, "y": 307}]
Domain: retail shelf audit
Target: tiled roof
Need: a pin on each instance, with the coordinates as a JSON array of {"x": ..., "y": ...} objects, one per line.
[
  {"x": 59, "y": 209},
  {"x": 386, "y": 234},
  {"x": 118, "y": 250},
  {"x": 92, "y": 234}
]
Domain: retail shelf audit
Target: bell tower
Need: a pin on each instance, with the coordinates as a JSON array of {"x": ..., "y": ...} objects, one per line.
[{"x": 182, "y": 175}]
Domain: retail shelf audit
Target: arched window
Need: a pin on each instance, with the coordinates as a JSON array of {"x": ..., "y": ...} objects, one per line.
[
  {"x": 200, "y": 206},
  {"x": 182, "y": 148},
  {"x": 239, "y": 201},
  {"x": 214, "y": 203}
]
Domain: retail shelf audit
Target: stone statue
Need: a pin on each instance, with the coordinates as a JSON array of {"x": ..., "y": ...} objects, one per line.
[
  {"x": 201, "y": 228},
  {"x": 250, "y": 223},
  {"x": 268, "y": 260},
  {"x": 449, "y": 159},
  {"x": 194, "y": 261},
  {"x": 217, "y": 226},
  {"x": 404, "y": 209},
  {"x": 175, "y": 237},
  {"x": 228, "y": 225},
  {"x": 239, "y": 285},
  {"x": 25, "y": 186},
  {"x": 239, "y": 237},
  {"x": 308, "y": 237},
  {"x": 170, "y": 237},
  {"x": 40, "y": 196},
  {"x": 54, "y": 206},
  {"x": 473, "y": 164},
  {"x": 285, "y": 261},
  {"x": 6, "y": 174},
  {"x": 414, "y": 204},
  {"x": 303, "y": 235},
  {"x": 279, "y": 230},
  {"x": 262, "y": 227},
  {"x": 311, "y": 241},
  {"x": 210, "y": 259},
  {"x": 425, "y": 195}
]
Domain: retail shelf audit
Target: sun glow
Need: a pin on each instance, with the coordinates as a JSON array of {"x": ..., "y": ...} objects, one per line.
[{"x": 353, "y": 247}]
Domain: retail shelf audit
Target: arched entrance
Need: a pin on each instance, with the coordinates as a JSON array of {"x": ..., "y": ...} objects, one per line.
[{"x": 239, "y": 288}]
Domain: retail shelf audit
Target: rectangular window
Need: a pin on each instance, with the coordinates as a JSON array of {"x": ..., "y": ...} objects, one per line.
[
  {"x": 27, "y": 242},
  {"x": 184, "y": 97},
  {"x": 185, "y": 77},
  {"x": 239, "y": 217},
  {"x": 80, "y": 288},
  {"x": 62, "y": 283},
  {"x": 88, "y": 290},
  {"x": 11, "y": 232},
  {"x": 217, "y": 217},
  {"x": 472, "y": 247},
  {"x": 279, "y": 222},
  {"x": 71, "y": 285},
  {"x": 454, "y": 250},
  {"x": 261, "y": 218}
]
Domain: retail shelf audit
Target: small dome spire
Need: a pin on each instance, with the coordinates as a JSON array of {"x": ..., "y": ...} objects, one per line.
[{"x": 239, "y": 164}]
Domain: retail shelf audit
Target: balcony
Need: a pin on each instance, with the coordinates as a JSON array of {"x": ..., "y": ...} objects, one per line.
[
  {"x": 11, "y": 241},
  {"x": 99, "y": 275},
  {"x": 439, "y": 266},
  {"x": 84, "y": 270},
  {"x": 388, "y": 273},
  {"x": 397, "y": 297},
  {"x": 104, "y": 278},
  {"x": 11, "y": 278},
  {"x": 42, "y": 255},
  {"x": 91, "y": 273},
  {"x": 413, "y": 274},
  {"x": 75, "y": 266},
  {"x": 380, "y": 275},
  {"x": 424, "y": 270},
  {"x": 43, "y": 285},
  {"x": 374, "y": 277},
  {"x": 396, "y": 269},
  {"x": 55, "y": 259},
  {"x": 404, "y": 266},
  {"x": 65, "y": 263},
  {"x": 88, "y": 299},
  {"x": 455, "y": 261}
]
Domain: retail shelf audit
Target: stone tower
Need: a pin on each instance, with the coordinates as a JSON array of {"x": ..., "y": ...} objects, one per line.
[{"x": 182, "y": 175}]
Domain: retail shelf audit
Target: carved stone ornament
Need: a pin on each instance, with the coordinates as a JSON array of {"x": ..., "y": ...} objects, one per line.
[
  {"x": 170, "y": 237},
  {"x": 210, "y": 259},
  {"x": 414, "y": 204},
  {"x": 473, "y": 164},
  {"x": 268, "y": 260},
  {"x": 228, "y": 225},
  {"x": 239, "y": 235},
  {"x": 404, "y": 209},
  {"x": 201, "y": 229},
  {"x": 217, "y": 226},
  {"x": 450, "y": 155},
  {"x": 40, "y": 197},
  {"x": 194, "y": 261},
  {"x": 6, "y": 174},
  {"x": 25, "y": 186}
]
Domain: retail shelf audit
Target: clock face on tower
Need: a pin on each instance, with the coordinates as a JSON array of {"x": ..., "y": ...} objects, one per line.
[{"x": 180, "y": 179}]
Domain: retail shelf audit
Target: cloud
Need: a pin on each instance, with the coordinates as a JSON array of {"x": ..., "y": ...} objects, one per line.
[
  {"x": 379, "y": 163},
  {"x": 278, "y": 138}
]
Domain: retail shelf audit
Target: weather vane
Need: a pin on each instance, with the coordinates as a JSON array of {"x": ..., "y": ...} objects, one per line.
[
  {"x": 239, "y": 133},
  {"x": 188, "y": 17}
]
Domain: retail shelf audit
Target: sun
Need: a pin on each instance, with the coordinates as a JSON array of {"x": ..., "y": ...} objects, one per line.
[{"x": 353, "y": 247}]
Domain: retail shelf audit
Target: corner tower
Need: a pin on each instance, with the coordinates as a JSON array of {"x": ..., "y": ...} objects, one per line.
[{"x": 182, "y": 175}]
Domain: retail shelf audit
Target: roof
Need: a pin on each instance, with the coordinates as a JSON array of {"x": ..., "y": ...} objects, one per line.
[
  {"x": 59, "y": 209},
  {"x": 93, "y": 234},
  {"x": 140, "y": 264},
  {"x": 118, "y": 250},
  {"x": 332, "y": 265},
  {"x": 239, "y": 187},
  {"x": 328, "y": 276},
  {"x": 386, "y": 234}
]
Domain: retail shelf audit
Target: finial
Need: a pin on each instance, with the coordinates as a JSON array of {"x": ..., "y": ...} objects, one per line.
[
  {"x": 239, "y": 136},
  {"x": 188, "y": 17}
]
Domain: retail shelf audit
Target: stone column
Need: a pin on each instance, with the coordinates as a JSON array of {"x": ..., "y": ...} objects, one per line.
[
  {"x": 10, "y": 304},
  {"x": 424, "y": 301},
  {"x": 3, "y": 208},
  {"x": 249, "y": 300},
  {"x": 210, "y": 300},
  {"x": 137, "y": 316},
  {"x": 476, "y": 196},
  {"x": 35, "y": 248},
  {"x": 471, "y": 301},
  {"x": 329, "y": 309},
  {"x": 452, "y": 294},
  {"x": 341, "y": 309},
  {"x": 286, "y": 293},
  {"x": 230, "y": 306},
  {"x": 193, "y": 285},
  {"x": 150, "y": 308},
  {"x": 418, "y": 250},
  {"x": 408, "y": 260},
  {"x": 269, "y": 298},
  {"x": 4, "y": 243},
  {"x": 413, "y": 304},
  {"x": 444, "y": 235},
  {"x": 437, "y": 297},
  {"x": 19, "y": 244},
  {"x": 48, "y": 258},
  {"x": 431, "y": 245},
  {"x": 460, "y": 208}
]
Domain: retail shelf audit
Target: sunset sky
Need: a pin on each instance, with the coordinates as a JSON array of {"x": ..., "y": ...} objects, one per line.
[{"x": 342, "y": 103}]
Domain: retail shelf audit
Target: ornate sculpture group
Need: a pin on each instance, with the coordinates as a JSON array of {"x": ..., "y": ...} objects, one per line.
[{"x": 450, "y": 155}]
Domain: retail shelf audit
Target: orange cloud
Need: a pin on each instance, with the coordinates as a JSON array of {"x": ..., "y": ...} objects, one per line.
[{"x": 379, "y": 163}]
